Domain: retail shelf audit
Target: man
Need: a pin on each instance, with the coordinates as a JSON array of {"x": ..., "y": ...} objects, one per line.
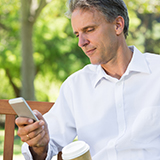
[{"x": 112, "y": 104}]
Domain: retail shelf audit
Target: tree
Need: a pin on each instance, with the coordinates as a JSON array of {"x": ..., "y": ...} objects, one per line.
[
  {"x": 145, "y": 24},
  {"x": 30, "y": 11},
  {"x": 9, "y": 49},
  {"x": 55, "y": 51}
]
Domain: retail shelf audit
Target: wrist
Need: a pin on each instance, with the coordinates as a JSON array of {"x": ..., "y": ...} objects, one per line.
[{"x": 39, "y": 153}]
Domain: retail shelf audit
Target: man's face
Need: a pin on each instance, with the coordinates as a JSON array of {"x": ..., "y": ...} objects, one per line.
[{"x": 97, "y": 37}]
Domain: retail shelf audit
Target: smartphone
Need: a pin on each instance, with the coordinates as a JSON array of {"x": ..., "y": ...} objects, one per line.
[{"x": 22, "y": 109}]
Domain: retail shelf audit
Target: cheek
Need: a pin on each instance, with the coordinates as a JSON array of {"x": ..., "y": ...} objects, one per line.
[
  {"x": 102, "y": 39},
  {"x": 103, "y": 42},
  {"x": 96, "y": 37}
]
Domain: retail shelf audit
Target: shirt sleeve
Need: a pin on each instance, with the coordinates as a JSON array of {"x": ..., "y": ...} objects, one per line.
[
  {"x": 61, "y": 120},
  {"x": 27, "y": 154},
  {"x": 61, "y": 124}
]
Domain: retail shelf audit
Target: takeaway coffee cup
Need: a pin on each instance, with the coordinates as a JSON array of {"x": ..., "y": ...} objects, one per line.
[{"x": 78, "y": 150}]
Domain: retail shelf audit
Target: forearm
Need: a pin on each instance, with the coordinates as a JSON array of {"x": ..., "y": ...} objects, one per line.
[{"x": 39, "y": 153}]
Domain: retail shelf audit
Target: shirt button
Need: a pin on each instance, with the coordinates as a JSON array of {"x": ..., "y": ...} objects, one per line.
[
  {"x": 119, "y": 83},
  {"x": 111, "y": 144}
]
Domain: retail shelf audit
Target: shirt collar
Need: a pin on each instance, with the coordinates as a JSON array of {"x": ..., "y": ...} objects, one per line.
[{"x": 138, "y": 64}]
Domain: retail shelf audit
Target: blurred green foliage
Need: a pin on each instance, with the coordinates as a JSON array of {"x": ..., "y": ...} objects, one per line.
[
  {"x": 56, "y": 53},
  {"x": 144, "y": 24}
]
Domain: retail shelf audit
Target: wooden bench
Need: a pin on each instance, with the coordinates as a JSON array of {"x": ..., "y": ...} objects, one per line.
[{"x": 9, "y": 113}]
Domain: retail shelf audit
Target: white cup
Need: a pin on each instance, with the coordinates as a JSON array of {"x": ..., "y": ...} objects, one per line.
[{"x": 78, "y": 150}]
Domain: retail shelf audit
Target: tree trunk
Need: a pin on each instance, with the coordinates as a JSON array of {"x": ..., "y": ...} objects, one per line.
[
  {"x": 28, "y": 67},
  {"x": 30, "y": 10}
]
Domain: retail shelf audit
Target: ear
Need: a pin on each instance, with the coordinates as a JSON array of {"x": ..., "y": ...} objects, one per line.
[{"x": 119, "y": 25}]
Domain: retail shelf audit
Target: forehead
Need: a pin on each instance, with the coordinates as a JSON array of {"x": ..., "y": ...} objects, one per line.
[{"x": 83, "y": 18}]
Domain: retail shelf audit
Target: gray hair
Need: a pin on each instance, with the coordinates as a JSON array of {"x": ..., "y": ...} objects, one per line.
[{"x": 110, "y": 8}]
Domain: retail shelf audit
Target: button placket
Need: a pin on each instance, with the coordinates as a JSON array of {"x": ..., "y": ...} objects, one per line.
[
  {"x": 111, "y": 147},
  {"x": 112, "y": 154},
  {"x": 120, "y": 107}
]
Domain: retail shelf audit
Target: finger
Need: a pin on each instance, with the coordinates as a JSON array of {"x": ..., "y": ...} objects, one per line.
[
  {"x": 38, "y": 140},
  {"x": 24, "y": 130},
  {"x": 22, "y": 121},
  {"x": 42, "y": 141},
  {"x": 40, "y": 117},
  {"x": 33, "y": 134},
  {"x": 25, "y": 138},
  {"x": 38, "y": 114},
  {"x": 40, "y": 137},
  {"x": 30, "y": 135}
]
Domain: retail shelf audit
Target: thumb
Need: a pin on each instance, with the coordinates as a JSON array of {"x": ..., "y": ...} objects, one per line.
[{"x": 38, "y": 114}]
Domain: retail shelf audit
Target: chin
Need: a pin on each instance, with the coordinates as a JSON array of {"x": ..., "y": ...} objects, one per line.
[{"x": 95, "y": 63}]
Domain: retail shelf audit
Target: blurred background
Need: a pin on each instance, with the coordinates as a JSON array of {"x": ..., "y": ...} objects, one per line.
[{"x": 38, "y": 49}]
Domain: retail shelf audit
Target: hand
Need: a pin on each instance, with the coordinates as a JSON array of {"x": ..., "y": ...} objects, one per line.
[{"x": 35, "y": 134}]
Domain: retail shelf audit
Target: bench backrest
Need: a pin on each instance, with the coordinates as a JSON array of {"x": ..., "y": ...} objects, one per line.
[{"x": 9, "y": 113}]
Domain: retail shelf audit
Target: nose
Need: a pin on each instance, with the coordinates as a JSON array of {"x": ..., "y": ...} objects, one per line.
[{"x": 83, "y": 41}]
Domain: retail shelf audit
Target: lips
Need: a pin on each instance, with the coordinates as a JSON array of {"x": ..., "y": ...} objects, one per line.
[{"x": 90, "y": 51}]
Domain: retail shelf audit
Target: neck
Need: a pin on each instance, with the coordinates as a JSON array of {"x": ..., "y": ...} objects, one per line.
[{"x": 118, "y": 65}]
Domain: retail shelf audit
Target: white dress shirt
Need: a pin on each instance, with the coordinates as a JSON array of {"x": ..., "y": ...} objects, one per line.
[{"x": 119, "y": 119}]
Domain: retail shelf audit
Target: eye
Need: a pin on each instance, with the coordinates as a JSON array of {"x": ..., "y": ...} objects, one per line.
[
  {"x": 77, "y": 35},
  {"x": 90, "y": 29}
]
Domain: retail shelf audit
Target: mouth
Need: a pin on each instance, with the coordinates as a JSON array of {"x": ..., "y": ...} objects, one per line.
[{"x": 90, "y": 52}]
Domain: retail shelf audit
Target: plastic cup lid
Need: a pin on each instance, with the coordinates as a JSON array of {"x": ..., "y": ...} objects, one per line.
[{"x": 74, "y": 149}]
